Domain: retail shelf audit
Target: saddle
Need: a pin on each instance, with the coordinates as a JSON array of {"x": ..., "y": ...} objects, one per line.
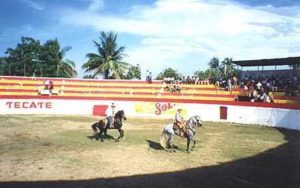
[
  {"x": 111, "y": 126},
  {"x": 180, "y": 130}
]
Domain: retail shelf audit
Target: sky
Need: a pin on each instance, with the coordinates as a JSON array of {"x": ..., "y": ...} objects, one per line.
[{"x": 159, "y": 34}]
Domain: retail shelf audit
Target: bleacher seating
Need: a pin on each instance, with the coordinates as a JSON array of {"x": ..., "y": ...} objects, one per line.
[{"x": 118, "y": 89}]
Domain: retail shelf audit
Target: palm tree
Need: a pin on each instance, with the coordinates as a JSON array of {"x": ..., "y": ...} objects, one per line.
[
  {"x": 227, "y": 66},
  {"x": 214, "y": 63},
  {"x": 168, "y": 72},
  {"x": 63, "y": 67},
  {"x": 108, "y": 61},
  {"x": 214, "y": 68}
]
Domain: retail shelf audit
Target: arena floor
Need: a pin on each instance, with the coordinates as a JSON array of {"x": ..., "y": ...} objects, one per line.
[{"x": 56, "y": 151}]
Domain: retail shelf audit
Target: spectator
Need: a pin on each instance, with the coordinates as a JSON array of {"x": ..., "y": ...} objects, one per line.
[
  {"x": 229, "y": 84},
  {"x": 149, "y": 78},
  {"x": 235, "y": 81},
  {"x": 48, "y": 85}
]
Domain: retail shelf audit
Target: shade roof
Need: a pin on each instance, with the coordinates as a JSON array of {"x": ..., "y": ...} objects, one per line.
[{"x": 268, "y": 62}]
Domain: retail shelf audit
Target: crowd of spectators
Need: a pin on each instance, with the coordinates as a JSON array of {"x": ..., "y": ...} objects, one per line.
[
  {"x": 171, "y": 85},
  {"x": 188, "y": 80},
  {"x": 258, "y": 89},
  {"x": 262, "y": 87}
]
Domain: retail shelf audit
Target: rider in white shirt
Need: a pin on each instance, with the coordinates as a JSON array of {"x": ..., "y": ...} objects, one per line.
[
  {"x": 109, "y": 115},
  {"x": 179, "y": 121}
]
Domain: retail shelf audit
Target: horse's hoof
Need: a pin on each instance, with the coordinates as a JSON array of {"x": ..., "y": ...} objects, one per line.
[
  {"x": 117, "y": 140},
  {"x": 188, "y": 152}
]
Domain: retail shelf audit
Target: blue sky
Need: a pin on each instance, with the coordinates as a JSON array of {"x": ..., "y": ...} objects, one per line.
[{"x": 181, "y": 34}]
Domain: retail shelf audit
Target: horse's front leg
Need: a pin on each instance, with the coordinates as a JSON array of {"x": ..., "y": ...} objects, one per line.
[
  {"x": 194, "y": 141},
  {"x": 188, "y": 145},
  {"x": 121, "y": 134},
  {"x": 100, "y": 134},
  {"x": 94, "y": 127},
  {"x": 105, "y": 131}
]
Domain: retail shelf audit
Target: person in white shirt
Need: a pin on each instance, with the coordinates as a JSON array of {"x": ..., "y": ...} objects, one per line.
[
  {"x": 259, "y": 85},
  {"x": 109, "y": 115},
  {"x": 179, "y": 122},
  {"x": 48, "y": 85}
]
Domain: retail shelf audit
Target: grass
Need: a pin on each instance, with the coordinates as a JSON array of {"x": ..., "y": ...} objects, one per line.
[{"x": 42, "y": 147}]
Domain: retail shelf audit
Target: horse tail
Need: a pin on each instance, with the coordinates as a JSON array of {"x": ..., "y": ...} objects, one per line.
[
  {"x": 94, "y": 126},
  {"x": 163, "y": 139}
]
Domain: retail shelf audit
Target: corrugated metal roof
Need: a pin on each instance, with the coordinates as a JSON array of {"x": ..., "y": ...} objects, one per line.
[{"x": 268, "y": 62}]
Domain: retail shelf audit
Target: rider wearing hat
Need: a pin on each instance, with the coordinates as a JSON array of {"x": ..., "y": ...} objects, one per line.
[
  {"x": 179, "y": 122},
  {"x": 110, "y": 115}
]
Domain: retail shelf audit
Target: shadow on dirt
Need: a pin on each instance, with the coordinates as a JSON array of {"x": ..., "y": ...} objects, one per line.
[
  {"x": 275, "y": 168},
  {"x": 104, "y": 137},
  {"x": 154, "y": 145}
]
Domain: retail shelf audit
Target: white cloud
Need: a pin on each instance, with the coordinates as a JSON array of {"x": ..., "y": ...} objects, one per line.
[
  {"x": 34, "y": 4},
  {"x": 173, "y": 29},
  {"x": 96, "y": 5}
]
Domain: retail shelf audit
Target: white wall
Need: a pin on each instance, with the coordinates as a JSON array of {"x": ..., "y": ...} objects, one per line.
[{"x": 209, "y": 112}]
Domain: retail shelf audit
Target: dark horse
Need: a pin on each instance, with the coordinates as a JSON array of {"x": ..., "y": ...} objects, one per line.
[{"x": 119, "y": 116}]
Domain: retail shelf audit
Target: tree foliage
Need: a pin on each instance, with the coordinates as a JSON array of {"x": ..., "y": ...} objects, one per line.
[
  {"x": 134, "y": 72},
  {"x": 30, "y": 57},
  {"x": 168, "y": 72},
  {"x": 214, "y": 63},
  {"x": 218, "y": 70},
  {"x": 109, "y": 59}
]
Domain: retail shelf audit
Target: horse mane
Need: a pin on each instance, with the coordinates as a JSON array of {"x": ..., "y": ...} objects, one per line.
[
  {"x": 193, "y": 118},
  {"x": 101, "y": 121},
  {"x": 119, "y": 113}
]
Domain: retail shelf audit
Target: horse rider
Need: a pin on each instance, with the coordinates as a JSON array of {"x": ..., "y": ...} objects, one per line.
[
  {"x": 110, "y": 115},
  {"x": 180, "y": 123}
]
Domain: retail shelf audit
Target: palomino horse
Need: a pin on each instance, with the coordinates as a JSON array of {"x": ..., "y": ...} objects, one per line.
[
  {"x": 166, "y": 138},
  {"x": 119, "y": 116}
]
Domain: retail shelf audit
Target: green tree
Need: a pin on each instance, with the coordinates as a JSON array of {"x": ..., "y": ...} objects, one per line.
[
  {"x": 89, "y": 76},
  {"x": 209, "y": 73},
  {"x": 218, "y": 70},
  {"x": 169, "y": 72},
  {"x": 214, "y": 63},
  {"x": 4, "y": 66},
  {"x": 22, "y": 59},
  {"x": 200, "y": 74},
  {"x": 214, "y": 69},
  {"x": 54, "y": 56},
  {"x": 227, "y": 68},
  {"x": 134, "y": 72},
  {"x": 109, "y": 60},
  {"x": 30, "y": 57}
]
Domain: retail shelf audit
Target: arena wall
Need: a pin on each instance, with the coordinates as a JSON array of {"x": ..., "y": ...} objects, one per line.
[{"x": 227, "y": 112}]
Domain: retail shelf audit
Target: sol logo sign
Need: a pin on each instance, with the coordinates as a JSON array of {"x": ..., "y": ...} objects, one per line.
[{"x": 162, "y": 107}]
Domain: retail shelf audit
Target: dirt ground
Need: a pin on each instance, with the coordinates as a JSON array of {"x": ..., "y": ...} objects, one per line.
[{"x": 55, "y": 151}]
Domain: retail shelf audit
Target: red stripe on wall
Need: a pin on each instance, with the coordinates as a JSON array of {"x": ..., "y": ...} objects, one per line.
[{"x": 235, "y": 103}]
